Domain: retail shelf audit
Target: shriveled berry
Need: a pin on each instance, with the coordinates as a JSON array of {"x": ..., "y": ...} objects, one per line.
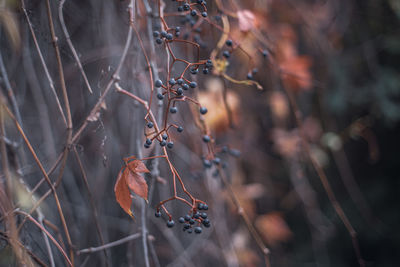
[
  {"x": 194, "y": 71},
  {"x": 170, "y": 223},
  {"x": 206, "y": 138},
  {"x": 179, "y": 129},
  {"x": 198, "y": 230},
  {"x": 203, "y": 110},
  {"x": 157, "y": 214},
  {"x": 150, "y": 124},
  {"x": 209, "y": 63},
  {"x": 158, "y": 83},
  {"x": 173, "y": 110},
  {"x": 170, "y": 144}
]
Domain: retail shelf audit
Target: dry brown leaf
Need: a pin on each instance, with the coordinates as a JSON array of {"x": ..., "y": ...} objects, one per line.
[
  {"x": 273, "y": 228},
  {"x": 130, "y": 177}
]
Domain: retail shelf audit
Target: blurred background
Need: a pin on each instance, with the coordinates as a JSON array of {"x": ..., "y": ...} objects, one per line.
[{"x": 310, "y": 149}]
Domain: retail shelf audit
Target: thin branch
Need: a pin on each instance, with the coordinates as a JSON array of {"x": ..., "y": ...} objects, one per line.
[{"x": 109, "y": 245}]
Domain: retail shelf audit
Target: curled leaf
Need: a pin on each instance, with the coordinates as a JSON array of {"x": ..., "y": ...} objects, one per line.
[{"x": 122, "y": 194}]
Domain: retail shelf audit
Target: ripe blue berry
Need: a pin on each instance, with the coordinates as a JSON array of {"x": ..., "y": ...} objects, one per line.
[
  {"x": 181, "y": 220},
  {"x": 180, "y": 8},
  {"x": 209, "y": 63},
  {"x": 229, "y": 42},
  {"x": 159, "y": 41},
  {"x": 204, "y": 14},
  {"x": 203, "y": 110},
  {"x": 193, "y": 13},
  {"x": 187, "y": 217},
  {"x": 164, "y": 34},
  {"x": 158, "y": 83},
  {"x": 164, "y": 136},
  {"x": 157, "y": 214},
  {"x": 207, "y": 163},
  {"x": 150, "y": 124},
  {"x": 146, "y": 146},
  {"x": 205, "y": 71},
  {"x": 173, "y": 110},
  {"x": 265, "y": 53},
  {"x": 197, "y": 230},
  {"x": 193, "y": 84},
  {"x": 191, "y": 221},
  {"x": 206, "y": 221},
  {"x": 179, "y": 81},
  {"x": 185, "y": 87},
  {"x": 169, "y": 36},
  {"x": 163, "y": 143},
  {"x": 170, "y": 223},
  {"x": 196, "y": 215},
  {"x": 186, "y": 226},
  {"x": 170, "y": 144},
  {"x": 189, "y": 231},
  {"x": 179, "y": 91},
  {"x": 226, "y": 54},
  {"x": 249, "y": 76},
  {"x": 172, "y": 81},
  {"x": 186, "y": 6},
  {"x": 177, "y": 29},
  {"x": 217, "y": 161},
  {"x": 200, "y": 206},
  {"x": 148, "y": 141},
  {"x": 206, "y": 138},
  {"x": 179, "y": 129},
  {"x": 204, "y": 215},
  {"x": 156, "y": 33},
  {"x": 205, "y": 207},
  {"x": 160, "y": 96},
  {"x": 194, "y": 71}
]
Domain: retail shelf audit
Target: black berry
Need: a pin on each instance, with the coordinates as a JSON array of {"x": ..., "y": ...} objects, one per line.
[
  {"x": 206, "y": 138},
  {"x": 229, "y": 42},
  {"x": 170, "y": 144},
  {"x": 173, "y": 109},
  {"x": 197, "y": 230},
  {"x": 170, "y": 223},
  {"x": 158, "y": 83},
  {"x": 180, "y": 129},
  {"x": 150, "y": 124},
  {"x": 157, "y": 214},
  {"x": 203, "y": 110}
]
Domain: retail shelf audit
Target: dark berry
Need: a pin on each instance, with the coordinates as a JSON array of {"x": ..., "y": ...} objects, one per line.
[
  {"x": 206, "y": 221},
  {"x": 177, "y": 29},
  {"x": 203, "y": 110},
  {"x": 249, "y": 76},
  {"x": 200, "y": 206},
  {"x": 159, "y": 41},
  {"x": 164, "y": 136},
  {"x": 207, "y": 163},
  {"x": 209, "y": 63},
  {"x": 254, "y": 71},
  {"x": 187, "y": 217},
  {"x": 191, "y": 221},
  {"x": 229, "y": 42},
  {"x": 177, "y": 34},
  {"x": 185, "y": 86},
  {"x": 150, "y": 124},
  {"x": 160, "y": 96},
  {"x": 204, "y": 14},
  {"x": 265, "y": 53},
  {"x": 180, "y": 8},
  {"x": 148, "y": 141},
  {"x": 193, "y": 13},
  {"x": 164, "y": 34},
  {"x": 146, "y": 145},
  {"x": 172, "y": 81},
  {"x": 180, "y": 129},
  {"x": 205, "y": 71},
  {"x": 186, "y": 6},
  {"x": 179, "y": 81},
  {"x": 196, "y": 215},
  {"x": 170, "y": 144},
  {"x": 206, "y": 138},
  {"x": 170, "y": 223},
  {"x": 158, "y": 83},
  {"x": 156, "y": 33},
  {"x": 194, "y": 71},
  {"x": 157, "y": 214},
  {"x": 205, "y": 207},
  {"x": 204, "y": 215},
  {"x": 217, "y": 161},
  {"x": 169, "y": 36},
  {"x": 173, "y": 109},
  {"x": 186, "y": 226},
  {"x": 207, "y": 225},
  {"x": 179, "y": 91},
  {"x": 226, "y": 54},
  {"x": 163, "y": 143},
  {"x": 181, "y": 220},
  {"x": 197, "y": 230},
  {"x": 193, "y": 84},
  {"x": 189, "y": 231}
]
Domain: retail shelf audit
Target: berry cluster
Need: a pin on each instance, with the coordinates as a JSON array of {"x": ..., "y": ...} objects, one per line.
[{"x": 193, "y": 222}]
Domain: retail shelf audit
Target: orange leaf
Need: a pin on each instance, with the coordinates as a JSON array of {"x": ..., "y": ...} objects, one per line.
[
  {"x": 136, "y": 183},
  {"x": 122, "y": 194}
]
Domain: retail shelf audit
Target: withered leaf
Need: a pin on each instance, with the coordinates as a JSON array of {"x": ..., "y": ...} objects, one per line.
[{"x": 130, "y": 178}]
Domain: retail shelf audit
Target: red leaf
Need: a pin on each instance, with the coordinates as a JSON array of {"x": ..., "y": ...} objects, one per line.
[
  {"x": 130, "y": 178},
  {"x": 122, "y": 194}
]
